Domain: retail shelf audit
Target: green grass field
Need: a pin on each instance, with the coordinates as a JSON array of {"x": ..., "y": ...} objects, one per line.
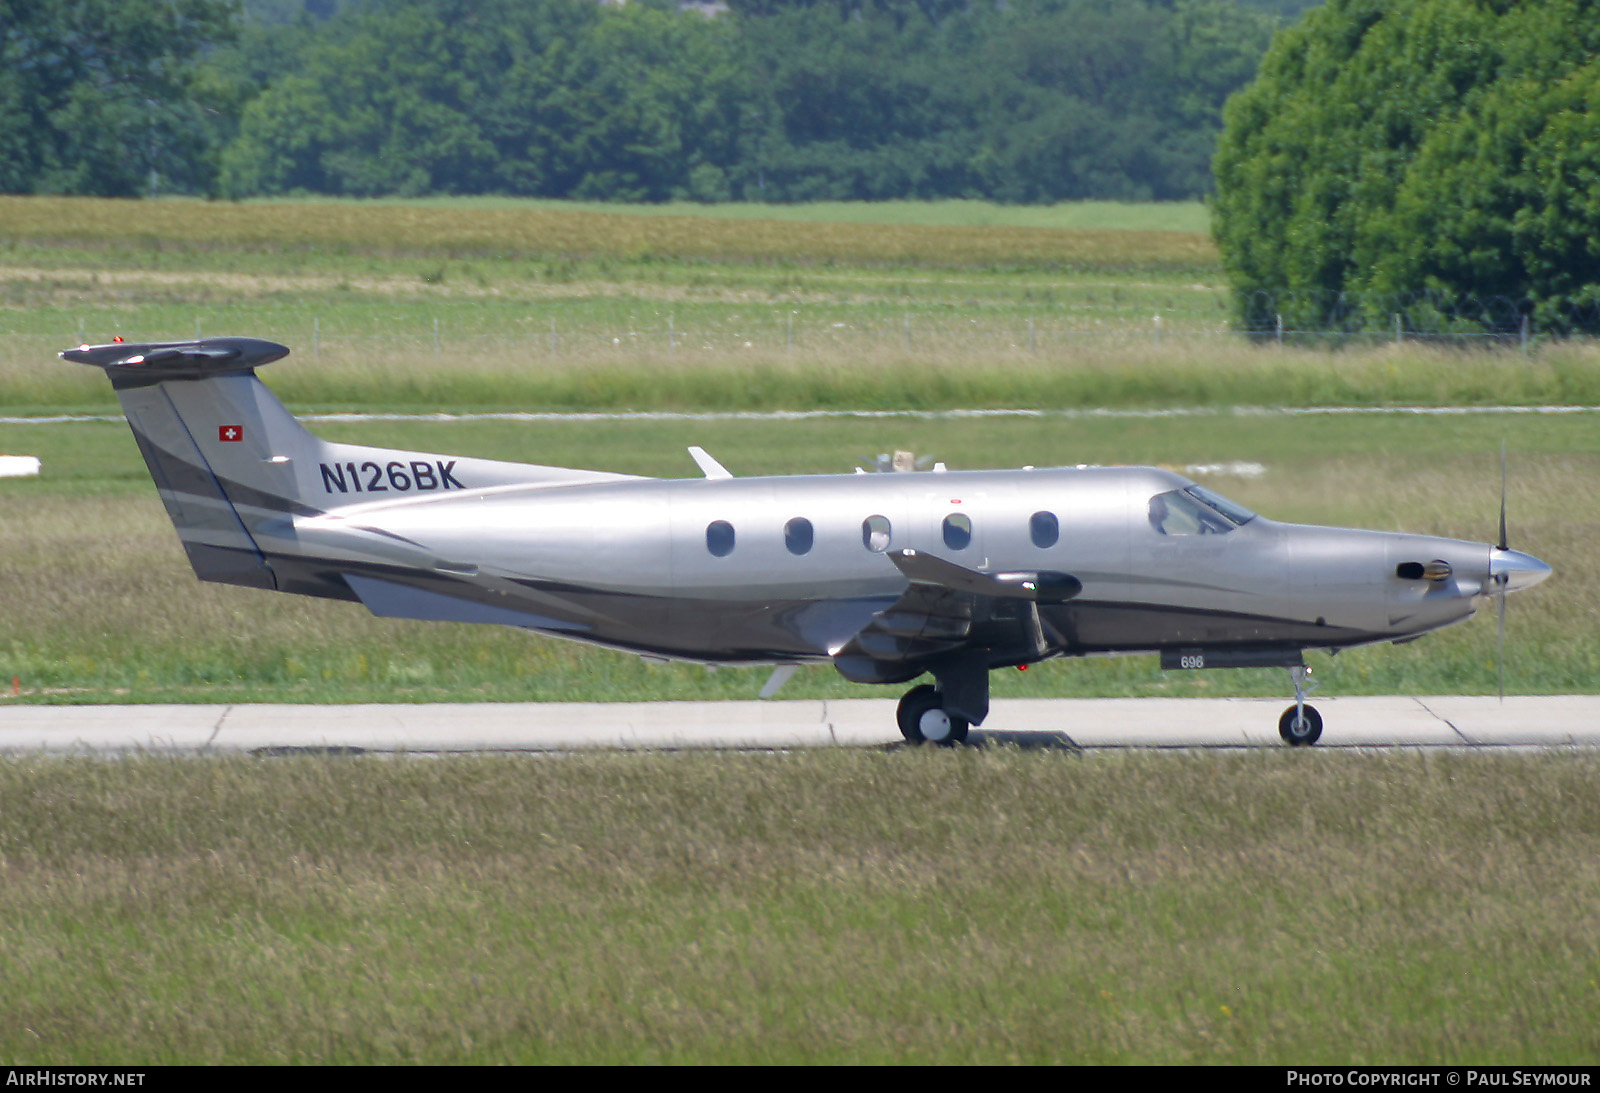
[
  {"x": 825, "y": 907},
  {"x": 532, "y": 231},
  {"x": 519, "y": 305},
  {"x": 890, "y": 906}
]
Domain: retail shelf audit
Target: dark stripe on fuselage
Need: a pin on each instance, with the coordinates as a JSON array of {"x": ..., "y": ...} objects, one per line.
[
  {"x": 1095, "y": 626},
  {"x": 700, "y": 628}
]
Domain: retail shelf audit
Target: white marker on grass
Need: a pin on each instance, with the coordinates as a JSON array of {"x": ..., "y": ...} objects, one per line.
[{"x": 18, "y": 466}]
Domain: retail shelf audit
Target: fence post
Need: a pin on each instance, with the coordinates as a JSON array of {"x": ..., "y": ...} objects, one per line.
[
  {"x": 1397, "y": 328},
  {"x": 1280, "y": 331},
  {"x": 1524, "y": 335}
]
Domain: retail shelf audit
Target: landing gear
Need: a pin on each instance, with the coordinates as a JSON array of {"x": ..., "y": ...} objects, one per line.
[
  {"x": 1301, "y": 725},
  {"x": 924, "y": 720}
]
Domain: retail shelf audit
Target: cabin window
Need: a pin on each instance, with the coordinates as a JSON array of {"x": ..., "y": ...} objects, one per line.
[
  {"x": 719, "y": 538},
  {"x": 1044, "y": 529},
  {"x": 958, "y": 531},
  {"x": 798, "y": 535},
  {"x": 875, "y": 533}
]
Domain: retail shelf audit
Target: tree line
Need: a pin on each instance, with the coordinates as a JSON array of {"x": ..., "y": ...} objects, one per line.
[
  {"x": 755, "y": 100},
  {"x": 1432, "y": 152}
]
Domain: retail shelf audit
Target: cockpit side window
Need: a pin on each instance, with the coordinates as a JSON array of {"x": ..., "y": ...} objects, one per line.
[{"x": 1176, "y": 512}]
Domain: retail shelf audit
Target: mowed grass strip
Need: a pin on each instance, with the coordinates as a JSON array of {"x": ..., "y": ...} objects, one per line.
[
  {"x": 1188, "y": 216},
  {"x": 543, "y": 232},
  {"x": 843, "y": 906}
]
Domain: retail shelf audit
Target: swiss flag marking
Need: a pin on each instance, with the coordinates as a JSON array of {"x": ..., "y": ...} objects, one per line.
[{"x": 230, "y": 433}]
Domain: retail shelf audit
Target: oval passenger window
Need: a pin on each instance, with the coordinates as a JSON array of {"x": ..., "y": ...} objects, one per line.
[
  {"x": 798, "y": 535},
  {"x": 958, "y": 531},
  {"x": 875, "y": 533},
  {"x": 719, "y": 538},
  {"x": 1044, "y": 528}
]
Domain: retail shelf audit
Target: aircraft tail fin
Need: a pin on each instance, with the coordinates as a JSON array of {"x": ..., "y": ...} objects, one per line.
[
  {"x": 208, "y": 444},
  {"x": 235, "y": 468}
]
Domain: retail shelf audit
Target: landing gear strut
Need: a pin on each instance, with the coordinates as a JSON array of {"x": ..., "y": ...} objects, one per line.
[
  {"x": 1301, "y": 725},
  {"x": 924, "y": 720}
]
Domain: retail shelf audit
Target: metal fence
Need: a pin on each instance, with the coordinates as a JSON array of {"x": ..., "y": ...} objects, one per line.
[
  {"x": 1418, "y": 316},
  {"x": 1285, "y": 319}
]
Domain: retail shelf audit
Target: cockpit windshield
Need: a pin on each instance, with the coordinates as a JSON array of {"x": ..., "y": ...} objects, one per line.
[
  {"x": 1231, "y": 509},
  {"x": 1195, "y": 510}
]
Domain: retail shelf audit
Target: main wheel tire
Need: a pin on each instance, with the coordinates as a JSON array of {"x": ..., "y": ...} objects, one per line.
[
  {"x": 924, "y": 720},
  {"x": 1297, "y": 731}
]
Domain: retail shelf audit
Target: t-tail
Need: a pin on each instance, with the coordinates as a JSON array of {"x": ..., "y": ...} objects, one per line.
[{"x": 238, "y": 473}]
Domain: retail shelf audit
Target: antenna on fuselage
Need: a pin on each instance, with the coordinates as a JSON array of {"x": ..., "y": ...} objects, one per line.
[{"x": 899, "y": 461}]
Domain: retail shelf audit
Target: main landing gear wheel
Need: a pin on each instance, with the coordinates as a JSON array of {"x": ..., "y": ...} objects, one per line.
[
  {"x": 1300, "y": 729},
  {"x": 924, "y": 720}
]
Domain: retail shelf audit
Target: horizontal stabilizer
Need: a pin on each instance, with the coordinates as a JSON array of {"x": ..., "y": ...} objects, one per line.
[
  {"x": 1043, "y": 586},
  {"x": 153, "y": 361}
]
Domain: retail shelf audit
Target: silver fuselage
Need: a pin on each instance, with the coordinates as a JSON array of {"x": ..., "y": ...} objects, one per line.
[
  {"x": 887, "y": 576},
  {"x": 626, "y": 563}
]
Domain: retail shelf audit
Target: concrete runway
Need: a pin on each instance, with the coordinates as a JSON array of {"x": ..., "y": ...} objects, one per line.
[{"x": 1433, "y": 722}]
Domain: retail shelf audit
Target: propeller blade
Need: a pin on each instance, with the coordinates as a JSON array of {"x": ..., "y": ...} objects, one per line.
[
  {"x": 1502, "y": 544},
  {"x": 1504, "y": 581},
  {"x": 1500, "y": 649}
]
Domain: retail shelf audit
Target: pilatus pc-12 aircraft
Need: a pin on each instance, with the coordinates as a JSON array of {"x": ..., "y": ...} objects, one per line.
[{"x": 885, "y": 576}]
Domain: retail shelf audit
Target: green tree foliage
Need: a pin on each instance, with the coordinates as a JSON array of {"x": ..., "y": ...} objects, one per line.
[
  {"x": 783, "y": 100},
  {"x": 540, "y": 97},
  {"x": 1032, "y": 100},
  {"x": 1441, "y": 147},
  {"x": 100, "y": 96},
  {"x": 779, "y": 100}
]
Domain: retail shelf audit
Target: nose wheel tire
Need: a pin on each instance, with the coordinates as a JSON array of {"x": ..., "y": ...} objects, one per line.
[
  {"x": 1300, "y": 730},
  {"x": 924, "y": 720}
]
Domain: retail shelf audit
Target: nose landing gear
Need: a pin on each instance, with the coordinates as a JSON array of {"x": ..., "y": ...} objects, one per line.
[{"x": 1301, "y": 725}]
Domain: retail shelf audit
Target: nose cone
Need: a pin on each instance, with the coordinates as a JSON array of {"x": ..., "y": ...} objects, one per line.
[{"x": 1516, "y": 569}]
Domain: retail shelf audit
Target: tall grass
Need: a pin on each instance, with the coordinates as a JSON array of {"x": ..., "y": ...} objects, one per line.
[
  {"x": 846, "y": 370},
  {"x": 905, "y": 906}
]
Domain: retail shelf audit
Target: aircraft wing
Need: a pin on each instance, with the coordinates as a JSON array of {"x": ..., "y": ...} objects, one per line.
[
  {"x": 947, "y": 607},
  {"x": 1042, "y": 586}
]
